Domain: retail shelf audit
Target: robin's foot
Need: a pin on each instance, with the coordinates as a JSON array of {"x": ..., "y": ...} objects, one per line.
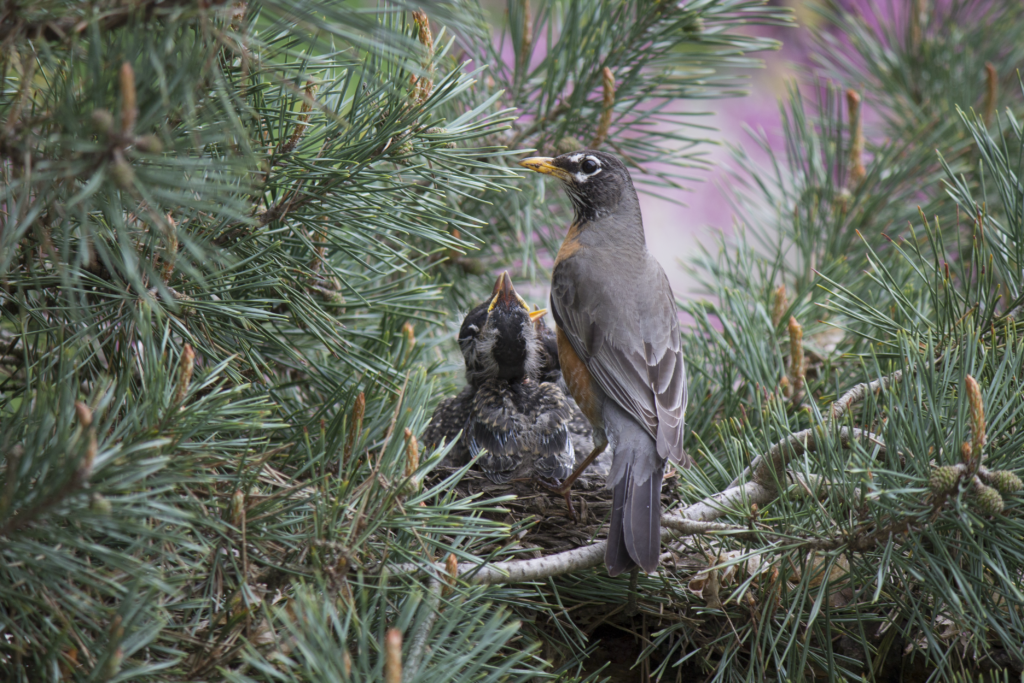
[{"x": 565, "y": 490}]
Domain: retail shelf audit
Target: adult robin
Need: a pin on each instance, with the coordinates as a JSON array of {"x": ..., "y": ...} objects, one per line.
[
  {"x": 618, "y": 347},
  {"x": 515, "y": 424}
]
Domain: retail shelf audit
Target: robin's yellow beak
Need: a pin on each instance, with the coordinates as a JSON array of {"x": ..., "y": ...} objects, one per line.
[
  {"x": 546, "y": 166},
  {"x": 537, "y": 315},
  {"x": 505, "y": 294}
]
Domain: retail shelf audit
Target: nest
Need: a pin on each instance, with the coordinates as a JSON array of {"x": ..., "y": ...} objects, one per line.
[{"x": 541, "y": 514}]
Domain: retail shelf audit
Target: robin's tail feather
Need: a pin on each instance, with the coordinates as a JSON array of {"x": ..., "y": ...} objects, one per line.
[
  {"x": 641, "y": 523},
  {"x": 617, "y": 557},
  {"x": 636, "y": 475}
]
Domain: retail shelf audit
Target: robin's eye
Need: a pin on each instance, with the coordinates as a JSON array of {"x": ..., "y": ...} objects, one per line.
[{"x": 589, "y": 166}]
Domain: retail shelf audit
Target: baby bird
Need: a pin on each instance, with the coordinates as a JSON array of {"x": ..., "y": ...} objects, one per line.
[{"x": 514, "y": 423}]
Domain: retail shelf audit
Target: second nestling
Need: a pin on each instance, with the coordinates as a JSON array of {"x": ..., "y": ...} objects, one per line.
[{"x": 516, "y": 419}]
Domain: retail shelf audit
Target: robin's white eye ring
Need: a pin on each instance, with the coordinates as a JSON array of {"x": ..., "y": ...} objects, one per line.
[{"x": 589, "y": 165}]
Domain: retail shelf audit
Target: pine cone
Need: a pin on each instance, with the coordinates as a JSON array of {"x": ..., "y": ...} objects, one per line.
[
  {"x": 403, "y": 149},
  {"x": 1005, "y": 482},
  {"x": 989, "y": 500},
  {"x": 943, "y": 479}
]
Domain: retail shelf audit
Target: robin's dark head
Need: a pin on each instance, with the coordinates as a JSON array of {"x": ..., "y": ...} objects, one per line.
[
  {"x": 597, "y": 182},
  {"x": 498, "y": 338}
]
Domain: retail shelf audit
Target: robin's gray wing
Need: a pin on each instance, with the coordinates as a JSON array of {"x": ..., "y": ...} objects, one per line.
[
  {"x": 448, "y": 420},
  {"x": 628, "y": 337}
]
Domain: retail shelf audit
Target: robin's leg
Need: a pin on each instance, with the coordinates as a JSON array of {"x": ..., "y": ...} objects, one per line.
[{"x": 566, "y": 488}]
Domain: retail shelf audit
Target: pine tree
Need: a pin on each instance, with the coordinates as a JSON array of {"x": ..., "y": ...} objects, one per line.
[{"x": 234, "y": 239}]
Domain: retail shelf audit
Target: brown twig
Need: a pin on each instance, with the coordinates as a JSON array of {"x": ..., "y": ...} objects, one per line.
[
  {"x": 527, "y": 42},
  {"x": 607, "y": 105}
]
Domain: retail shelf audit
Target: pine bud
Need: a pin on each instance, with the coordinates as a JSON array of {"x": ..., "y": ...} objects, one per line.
[
  {"x": 103, "y": 121},
  {"x": 129, "y": 110},
  {"x": 100, "y": 505},
  {"x": 121, "y": 170},
  {"x": 473, "y": 266},
  {"x": 989, "y": 500},
  {"x": 424, "y": 85},
  {"x": 1005, "y": 482},
  {"x": 84, "y": 414},
  {"x": 842, "y": 201},
  {"x": 856, "y": 163},
  {"x": 237, "y": 508},
  {"x": 991, "y": 91},
  {"x": 150, "y": 144},
  {"x": 185, "y": 369},
  {"x": 796, "y": 357},
  {"x": 451, "y": 570},
  {"x": 977, "y": 417},
  {"x": 943, "y": 479},
  {"x": 393, "y": 656},
  {"x": 779, "y": 305},
  {"x": 412, "y": 463},
  {"x": 412, "y": 453},
  {"x": 568, "y": 144},
  {"x": 403, "y": 149},
  {"x": 170, "y": 254}
]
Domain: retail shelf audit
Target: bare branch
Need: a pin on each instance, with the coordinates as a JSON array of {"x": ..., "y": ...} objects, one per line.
[
  {"x": 691, "y": 520},
  {"x": 794, "y": 445},
  {"x": 857, "y": 394}
]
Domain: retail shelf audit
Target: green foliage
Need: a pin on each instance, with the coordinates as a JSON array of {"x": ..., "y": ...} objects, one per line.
[
  {"x": 909, "y": 273},
  {"x": 232, "y": 241}
]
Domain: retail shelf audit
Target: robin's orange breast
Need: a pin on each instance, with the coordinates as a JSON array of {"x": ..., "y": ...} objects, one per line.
[
  {"x": 570, "y": 245},
  {"x": 577, "y": 379}
]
